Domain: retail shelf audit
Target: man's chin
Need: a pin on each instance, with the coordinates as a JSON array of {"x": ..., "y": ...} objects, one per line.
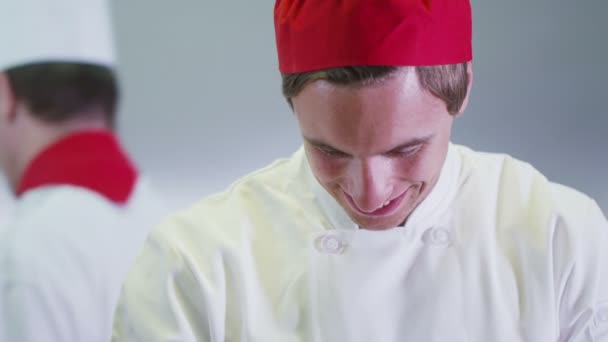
[{"x": 378, "y": 223}]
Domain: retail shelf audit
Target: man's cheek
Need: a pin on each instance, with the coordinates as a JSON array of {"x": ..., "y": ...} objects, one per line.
[
  {"x": 416, "y": 171},
  {"x": 327, "y": 171}
]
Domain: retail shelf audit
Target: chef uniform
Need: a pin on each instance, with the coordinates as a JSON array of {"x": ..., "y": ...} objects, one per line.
[
  {"x": 495, "y": 252},
  {"x": 82, "y": 211}
]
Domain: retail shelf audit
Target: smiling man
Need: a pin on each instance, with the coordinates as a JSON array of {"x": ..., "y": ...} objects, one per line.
[
  {"x": 378, "y": 149},
  {"x": 378, "y": 229}
]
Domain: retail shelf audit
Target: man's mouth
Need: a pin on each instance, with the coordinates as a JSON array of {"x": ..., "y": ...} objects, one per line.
[{"x": 387, "y": 208}]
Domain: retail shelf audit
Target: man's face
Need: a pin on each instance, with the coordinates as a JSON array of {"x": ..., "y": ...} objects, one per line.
[
  {"x": 8, "y": 134},
  {"x": 377, "y": 149},
  {"x": 4, "y": 108}
]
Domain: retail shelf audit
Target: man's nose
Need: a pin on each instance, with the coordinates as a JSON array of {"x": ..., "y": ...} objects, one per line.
[{"x": 370, "y": 179}]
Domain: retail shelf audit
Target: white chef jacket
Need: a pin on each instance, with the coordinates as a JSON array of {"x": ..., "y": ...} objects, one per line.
[
  {"x": 64, "y": 256},
  {"x": 494, "y": 253}
]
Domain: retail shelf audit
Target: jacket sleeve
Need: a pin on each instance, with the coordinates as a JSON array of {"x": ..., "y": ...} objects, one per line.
[
  {"x": 583, "y": 301},
  {"x": 165, "y": 297}
]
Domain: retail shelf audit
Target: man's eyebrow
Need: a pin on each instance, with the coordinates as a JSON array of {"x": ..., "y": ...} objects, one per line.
[
  {"x": 405, "y": 145},
  {"x": 319, "y": 143}
]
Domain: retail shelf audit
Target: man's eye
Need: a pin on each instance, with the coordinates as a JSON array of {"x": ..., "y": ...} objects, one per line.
[
  {"x": 331, "y": 152},
  {"x": 407, "y": 152}
]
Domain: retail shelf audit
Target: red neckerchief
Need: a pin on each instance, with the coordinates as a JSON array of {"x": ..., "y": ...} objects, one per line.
[{"x": 93, "y": 160}]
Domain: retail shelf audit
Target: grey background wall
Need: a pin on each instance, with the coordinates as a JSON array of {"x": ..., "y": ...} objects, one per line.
[{"x": 202, "y": 102}]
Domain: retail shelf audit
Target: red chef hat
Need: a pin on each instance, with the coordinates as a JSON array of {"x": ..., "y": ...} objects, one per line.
[{"x": 321, "y": 34}]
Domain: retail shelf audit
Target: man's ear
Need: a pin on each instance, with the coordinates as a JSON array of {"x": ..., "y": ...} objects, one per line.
[
  {"x": 8, "y": 102},
  {"x": 465, "y": 103}
]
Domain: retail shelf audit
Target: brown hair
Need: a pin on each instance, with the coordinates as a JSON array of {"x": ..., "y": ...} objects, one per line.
[
  {"x": 58, "y": 92},
  {"x": 447, "y": 82}
]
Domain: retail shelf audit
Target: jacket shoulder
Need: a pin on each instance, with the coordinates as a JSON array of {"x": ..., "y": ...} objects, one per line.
[
  {"x": 256, "y": 204},
  {"x": 520, "y": 194}
]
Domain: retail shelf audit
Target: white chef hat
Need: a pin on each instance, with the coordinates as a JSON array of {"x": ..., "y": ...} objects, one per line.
[{"x": 55, "y": 31}]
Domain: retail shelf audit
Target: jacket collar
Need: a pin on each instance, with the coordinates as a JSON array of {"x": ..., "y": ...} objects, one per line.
[{"x": 91, "y": 159}]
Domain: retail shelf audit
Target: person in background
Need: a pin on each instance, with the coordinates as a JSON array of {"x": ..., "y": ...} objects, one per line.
[
  {"x": 378, "y": 228},
  {"x": 6, "y": 203},
  {"x": 82, "y": 210}
]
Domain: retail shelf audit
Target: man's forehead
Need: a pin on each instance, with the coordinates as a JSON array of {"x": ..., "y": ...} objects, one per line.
[{"x": 401, "y": 86}]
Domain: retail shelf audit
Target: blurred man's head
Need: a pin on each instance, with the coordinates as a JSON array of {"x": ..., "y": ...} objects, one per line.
[
  {"x": 375, "y": 98},
  {"x": 56, "y": 76},
  {"x": 56, "y": 93}
]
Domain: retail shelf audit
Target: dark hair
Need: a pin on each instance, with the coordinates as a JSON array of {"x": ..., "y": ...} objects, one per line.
[
  {"x": 58, "y": 92},
  {"x": 447, "y": 82}
]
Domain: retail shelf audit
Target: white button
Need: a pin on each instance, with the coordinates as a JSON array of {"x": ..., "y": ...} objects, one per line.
[
  {"x": 437, "y": 236},
  {"x": 330, "y": 244}
]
